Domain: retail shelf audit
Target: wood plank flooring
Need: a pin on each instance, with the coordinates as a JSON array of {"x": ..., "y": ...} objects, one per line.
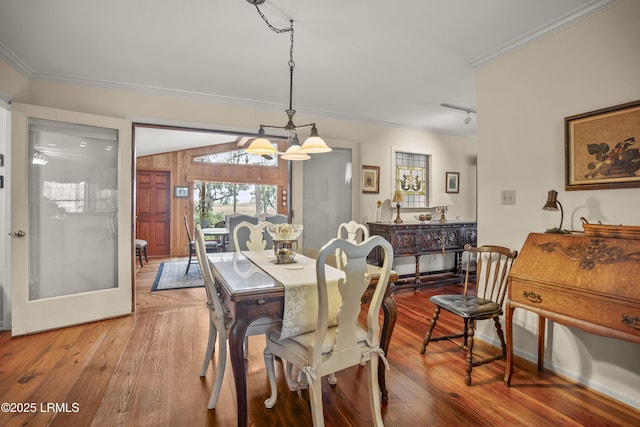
[{"x": 143, "y": 370}]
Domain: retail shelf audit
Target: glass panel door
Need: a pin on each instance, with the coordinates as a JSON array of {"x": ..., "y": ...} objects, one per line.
[
  {"x": 71, "y": 218},
  {"x": 72, "y": 208}
]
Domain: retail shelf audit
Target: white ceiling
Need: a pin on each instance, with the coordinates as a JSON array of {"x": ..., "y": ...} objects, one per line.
[{"x": 376, "y": 61}]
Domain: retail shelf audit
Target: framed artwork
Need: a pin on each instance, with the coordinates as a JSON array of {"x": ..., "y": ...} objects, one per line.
[
  {"x": 182, "y": 191},
  {"x": 370, "y": 179},
  {"x": 453, "y": 182},
  {"x": 602, "y": 148}
]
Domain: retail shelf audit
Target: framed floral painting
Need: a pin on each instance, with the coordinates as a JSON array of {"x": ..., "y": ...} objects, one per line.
[{"x": 602, "y": 148}]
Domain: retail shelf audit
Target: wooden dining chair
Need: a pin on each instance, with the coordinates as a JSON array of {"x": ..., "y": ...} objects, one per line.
[
  {"x": 325, "y": 350},
  {"x": 481, "y": 303},
  {"x": 211, "y": 246},
  {"x": 219, "y": 322}
]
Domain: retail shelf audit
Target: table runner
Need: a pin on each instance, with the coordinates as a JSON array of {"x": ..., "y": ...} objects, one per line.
[{"x": 300, "y": 293}]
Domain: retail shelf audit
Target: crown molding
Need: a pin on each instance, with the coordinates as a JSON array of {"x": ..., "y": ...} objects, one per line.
[{"x": 562, "y": 22}]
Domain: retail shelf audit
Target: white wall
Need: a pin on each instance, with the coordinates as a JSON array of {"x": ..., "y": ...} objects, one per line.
[{"x": 522, "y": 101}]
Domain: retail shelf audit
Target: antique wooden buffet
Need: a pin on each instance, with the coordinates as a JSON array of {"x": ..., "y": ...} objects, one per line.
[
  {"x": 579, "y": 280},
  {"x": 414, "y": 239}
]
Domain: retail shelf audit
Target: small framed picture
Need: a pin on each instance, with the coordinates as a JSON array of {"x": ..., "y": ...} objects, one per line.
[
  {"x": 453, "y": 179},
  {"x": 182, "y": 191},
  {"x": 370, "y": 179}
]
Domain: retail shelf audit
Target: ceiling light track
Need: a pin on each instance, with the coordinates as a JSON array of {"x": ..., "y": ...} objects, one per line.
[
  {"x": 313, "y": 144},
  {"x": 467, "y": 119}
]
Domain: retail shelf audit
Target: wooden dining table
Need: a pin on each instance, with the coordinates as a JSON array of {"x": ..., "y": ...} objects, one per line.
[{"x": 248, "y": 292}]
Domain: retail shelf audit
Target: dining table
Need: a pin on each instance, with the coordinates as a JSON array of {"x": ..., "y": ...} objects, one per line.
[
  {"x": 252, "y": 286},
  {"x": 218, "y": 233}
]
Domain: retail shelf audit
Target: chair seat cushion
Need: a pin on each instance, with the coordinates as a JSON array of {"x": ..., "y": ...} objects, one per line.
[
  {"x": 467, "y": 306},
  {"x": 140, "y": 243},
  {"x": 301, "y": 343}
]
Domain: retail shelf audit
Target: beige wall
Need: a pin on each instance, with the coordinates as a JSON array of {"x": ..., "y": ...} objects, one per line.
[{"x": 523, "y": 99}]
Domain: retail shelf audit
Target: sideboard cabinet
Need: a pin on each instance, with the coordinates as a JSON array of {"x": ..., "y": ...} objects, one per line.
[{"x": 415, "y": 239}]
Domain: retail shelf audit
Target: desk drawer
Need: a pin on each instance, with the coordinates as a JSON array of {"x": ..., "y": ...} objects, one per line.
[{"x": 597, "y": 310}]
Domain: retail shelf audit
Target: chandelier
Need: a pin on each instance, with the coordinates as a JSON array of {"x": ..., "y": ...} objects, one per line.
[{"x": 313, "y": 144}]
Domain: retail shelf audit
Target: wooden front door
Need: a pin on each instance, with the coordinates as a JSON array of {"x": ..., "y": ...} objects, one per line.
[{"x": 153, "y": 210}]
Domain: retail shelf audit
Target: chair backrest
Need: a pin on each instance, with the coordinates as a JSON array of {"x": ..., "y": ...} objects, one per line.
[
  {"x": 213, "y": 298},
  {"x": 274, "y": 219},
  {"x": 255, "y": 233},
  {"x": 232, "y": 221},
  {"x": 492, "y": 268},
  {"x": 186, "y": 226},
  {"x": 351, "y": 288},
  {"x": 353, "y": 232}
]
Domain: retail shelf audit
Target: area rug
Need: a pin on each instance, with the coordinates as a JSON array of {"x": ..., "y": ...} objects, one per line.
[{"x": 171, "y": 276}]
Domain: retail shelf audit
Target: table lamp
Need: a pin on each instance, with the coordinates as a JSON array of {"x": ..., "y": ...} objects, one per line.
[
  {"x": 397, "y": 199},
  {"x": 552, "y": 205},
  {"x": 441, "y": 203}
]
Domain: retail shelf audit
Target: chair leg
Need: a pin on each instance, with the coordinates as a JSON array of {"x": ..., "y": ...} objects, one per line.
[
  {"x": 293, "y": 384},
  {"x": 145, "y": 254},
  {"x": 472, "y": 325},
  {"x": 374, "y": 392},
  {"x": 315, "y": 399},
  {"x": 271, "y": 373},
  {"x": 139, "y": 256},
  {"x": 211, "y": 344},
  {"x": 427, "y": 336},
  {"x": 496, "y": 322},
  {"x": 465, "y": 333},
  {"x": 189, "y": 263},
  {"x": 219, "y": 374},
  {"x": 332, "y": 378}
]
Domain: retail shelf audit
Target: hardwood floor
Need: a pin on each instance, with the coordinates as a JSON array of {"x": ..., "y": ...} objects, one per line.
[{"x": 143, "y": 370}]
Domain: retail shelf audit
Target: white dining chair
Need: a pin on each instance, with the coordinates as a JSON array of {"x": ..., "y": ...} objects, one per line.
[
  {"x": 324, "y": 351},
  {"x": 254, "y": 236},
  {"x": 219, "y": 322},
  {"x": 353, "y": 232}
]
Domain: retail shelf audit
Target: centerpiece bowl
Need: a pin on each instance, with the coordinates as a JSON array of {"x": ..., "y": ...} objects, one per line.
[{"x": 285, "y": 241}]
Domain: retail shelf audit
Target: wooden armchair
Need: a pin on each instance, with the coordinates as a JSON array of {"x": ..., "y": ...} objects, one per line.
[{"x": 492, "y": 268}]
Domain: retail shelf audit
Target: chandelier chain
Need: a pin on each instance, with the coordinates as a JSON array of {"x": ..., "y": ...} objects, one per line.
[{"x": 292, "y": 64}]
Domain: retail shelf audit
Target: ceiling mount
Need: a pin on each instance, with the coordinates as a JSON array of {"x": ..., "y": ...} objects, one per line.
[{"x": 256, "y": 2}]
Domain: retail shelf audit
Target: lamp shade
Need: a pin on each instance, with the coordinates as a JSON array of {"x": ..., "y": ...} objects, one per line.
[
  {"x": 295, "y": 152},
  {"x": 442, "y": 199},
  {"x": 398, "y": 197},
  {"x": 552, "y": 201},
  {"x": 261, "y": 146}
]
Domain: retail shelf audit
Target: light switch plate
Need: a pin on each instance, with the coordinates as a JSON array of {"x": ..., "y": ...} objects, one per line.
[{"x": 508, "y": 197}]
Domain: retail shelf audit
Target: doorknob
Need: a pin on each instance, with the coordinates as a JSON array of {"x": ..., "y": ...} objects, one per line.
[{"x": 19, "y": 233}]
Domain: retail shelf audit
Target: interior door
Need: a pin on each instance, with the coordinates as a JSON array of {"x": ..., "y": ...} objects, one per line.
[
  {"x": 326, "y": 197},
  {"x": 153, "y": 210},
  {"x": 72, "y": 250}
]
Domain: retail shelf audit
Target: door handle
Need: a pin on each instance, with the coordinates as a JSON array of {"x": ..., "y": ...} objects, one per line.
[{"x": 19, "y": 233}]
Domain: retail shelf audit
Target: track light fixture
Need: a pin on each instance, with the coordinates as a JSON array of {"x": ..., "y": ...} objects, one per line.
[
  {"x": 313, "y": 144},
  {"x": 467, "y": 119}
]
